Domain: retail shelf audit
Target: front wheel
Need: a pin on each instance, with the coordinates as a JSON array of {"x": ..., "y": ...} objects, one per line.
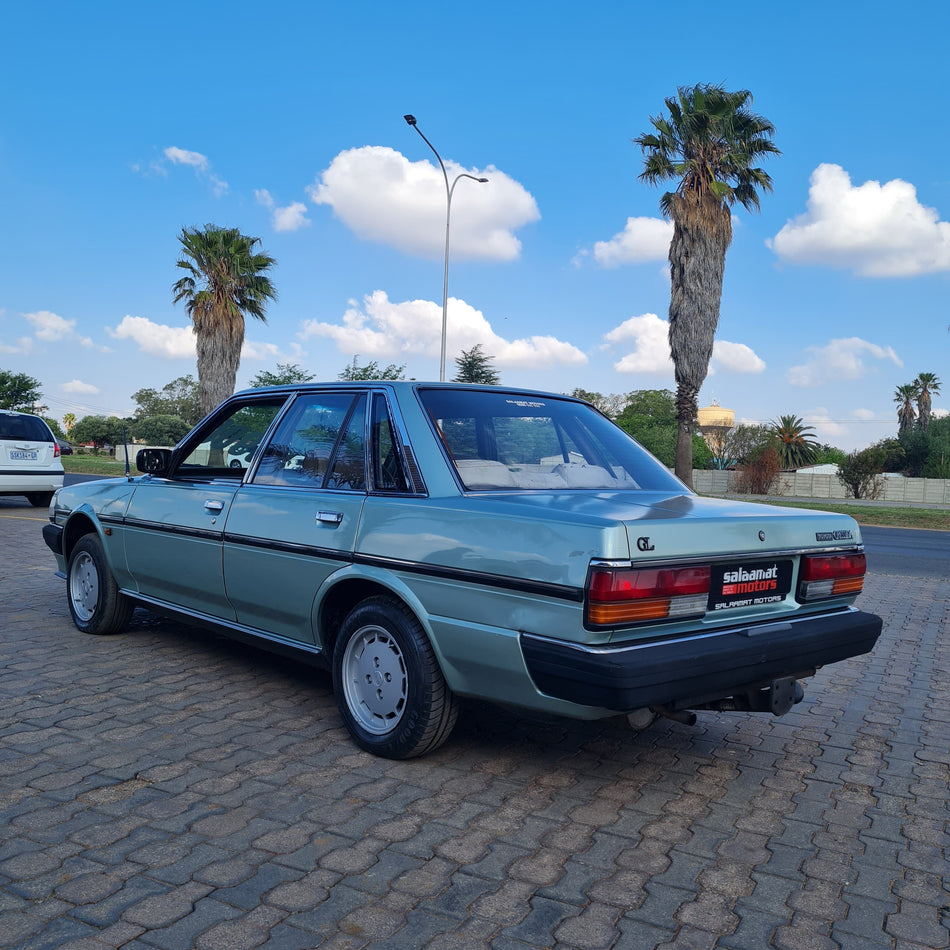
[
  {"x": 95, "y": 603},
  {"x": 388, "y": 685}
]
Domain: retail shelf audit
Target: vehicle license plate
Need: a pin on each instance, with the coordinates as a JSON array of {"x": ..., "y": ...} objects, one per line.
[
  {"x": 749, "y": 585},
  {"x": 19, "y": 456}
]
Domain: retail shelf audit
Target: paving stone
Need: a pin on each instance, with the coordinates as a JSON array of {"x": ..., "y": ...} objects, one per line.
[{"x": 191, "y": 792}]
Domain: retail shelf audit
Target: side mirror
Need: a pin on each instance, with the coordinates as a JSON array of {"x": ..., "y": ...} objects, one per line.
[{"x": 153, "y": 461}]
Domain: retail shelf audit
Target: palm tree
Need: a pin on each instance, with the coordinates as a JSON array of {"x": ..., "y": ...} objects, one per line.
[
  {"x": 927, "y": 384},
  {"x": 233, "y": 283},
  {"x": 904, "y": 396},
  {"x": 708, "y": 144},
  {"x": 795, "y": 445}
]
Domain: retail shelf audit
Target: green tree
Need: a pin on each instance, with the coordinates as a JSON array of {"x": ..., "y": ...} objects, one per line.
[
  {"x": 830, "y": 455},
  {"x": 356, "y": 373},
  {"x": 904, "y": 396},
  {"x": 708, "y": 142},
  {"x": 895, "y": 458},
  {"x": 927, "y": 384},
  {"x": 743, "y": 443},
  {"x": 99, "y": 430},
  {"x": 794, "y": 442},
  {"x": 937, "y": 462},
  {"x": 226, "y": 279},
  {"x": 55, "y": 427},
  {"x": 18, "y": 391},
  {"x": 69, "y": 420},
  {"x": 178, "y": 398},
  {"x": 475, "y": 367},
  {"x": 916, "y": 446},
  {"x": 160, "y": 430},
  {"x": 610, "y": 405},
  {"x": 286, "y": 374},
  {"x": 650, "y": 417}
]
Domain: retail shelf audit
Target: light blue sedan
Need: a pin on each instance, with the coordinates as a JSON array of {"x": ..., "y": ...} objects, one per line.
[{"x": 429, "y": 541}]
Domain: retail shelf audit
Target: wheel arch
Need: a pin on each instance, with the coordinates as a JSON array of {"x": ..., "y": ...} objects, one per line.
[
  {"x": 80, "y": 524},
  {"x": 351, "y": 587}
]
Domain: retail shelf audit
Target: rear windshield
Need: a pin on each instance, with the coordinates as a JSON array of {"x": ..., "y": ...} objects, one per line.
[
  {"x": 24, "y": 429},
  {"x": 499, "y": 440}
]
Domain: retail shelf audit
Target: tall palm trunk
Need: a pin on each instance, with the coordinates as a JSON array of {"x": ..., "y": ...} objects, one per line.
[
  {"x": 218, "y": 344},
  {"x": 702, "y": 232}
]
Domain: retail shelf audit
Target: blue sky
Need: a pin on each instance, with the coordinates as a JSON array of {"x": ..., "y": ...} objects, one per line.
[{"x": 122, "y": 123}]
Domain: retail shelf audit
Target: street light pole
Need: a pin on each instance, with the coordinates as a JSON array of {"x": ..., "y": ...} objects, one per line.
[{"x": 411, "y": 120}]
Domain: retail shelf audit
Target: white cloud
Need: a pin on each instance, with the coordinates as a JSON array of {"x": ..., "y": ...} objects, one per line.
[
  {"x": 842, "y": 359},
  {"x": 643, "y": 239},
  {"x": 872, "y": 229},
  {"x": 382, "y": 196},
  {"x": 179, "y": 156},
  {"x": 651, "y": 353},
  {"x": 289, "y": 218},
  {"x": 52, "y": 328},
  {"x": 23, "y": 346},
  {"x": 173, "y": 343},
  {"x": 49, "y": 326},
  {"x": 197, "y": 161},
  {"x": 77, "y": 386},
  {"x": 156, "y": 339},
  {"x": 735, "y": 358},
  {"x": 381, "y": 328}
]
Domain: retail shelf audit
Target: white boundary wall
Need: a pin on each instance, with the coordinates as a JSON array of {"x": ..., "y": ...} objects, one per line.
[{"x": 932, "y": 491}]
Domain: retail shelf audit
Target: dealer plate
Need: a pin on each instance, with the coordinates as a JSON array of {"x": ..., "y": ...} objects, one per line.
[{"x": 749, "y": 584}]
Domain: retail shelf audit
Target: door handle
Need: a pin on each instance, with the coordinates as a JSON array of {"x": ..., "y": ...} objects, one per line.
[
  {"x": 215, "y": 506},
  {"x": 330, "y": 517}
]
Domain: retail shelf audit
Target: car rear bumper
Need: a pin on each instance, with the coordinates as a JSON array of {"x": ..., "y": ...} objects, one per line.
[
  {"x": 19, "y": 482},
  {"x": 695, "y": 669}
]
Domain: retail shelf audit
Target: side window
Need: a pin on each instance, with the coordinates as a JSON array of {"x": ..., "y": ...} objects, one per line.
[
  {"x": 226, "y": 449},
  {"x": 302, "y": 449},
  {"x": 388, "y": 474},
  {"x": 348, "y": 468}
]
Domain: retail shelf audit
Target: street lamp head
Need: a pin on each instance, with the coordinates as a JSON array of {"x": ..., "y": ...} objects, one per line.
[
  {"x": 482, "y": 180},
  {"x": 411, "y": 119}
]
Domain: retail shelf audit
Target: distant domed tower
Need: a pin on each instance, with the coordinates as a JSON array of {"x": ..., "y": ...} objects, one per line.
[
  {"x": 715, "y": 417},
  {"x": 714, "y": 424}
]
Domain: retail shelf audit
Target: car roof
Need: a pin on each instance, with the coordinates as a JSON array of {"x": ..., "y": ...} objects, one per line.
[{"x": 399, "y": 384}]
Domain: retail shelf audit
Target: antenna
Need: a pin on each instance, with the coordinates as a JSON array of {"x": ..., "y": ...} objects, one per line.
[{"x": 125, "y": 446}]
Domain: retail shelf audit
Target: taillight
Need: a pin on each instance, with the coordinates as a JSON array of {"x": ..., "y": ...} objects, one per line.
[
  {"x": 632, "y": 595},
  {"x": 828, "y": 575},
  {"x": 55, "y": 450}
]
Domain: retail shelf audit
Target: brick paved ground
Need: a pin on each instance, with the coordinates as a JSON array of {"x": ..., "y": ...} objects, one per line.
[{"x": 166, "y": 789}]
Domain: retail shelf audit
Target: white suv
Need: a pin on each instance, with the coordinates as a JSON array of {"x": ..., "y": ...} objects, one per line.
[{"x": 29, "y": 458}]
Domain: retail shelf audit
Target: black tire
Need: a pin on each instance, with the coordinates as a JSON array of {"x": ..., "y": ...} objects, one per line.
[
  {"x": 388, "y": 685},
  {"x": 95, "y": 603},
  {"x": 39, "y": 499}
]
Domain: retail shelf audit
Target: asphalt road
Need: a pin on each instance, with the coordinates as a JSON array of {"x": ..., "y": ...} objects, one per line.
[
  {"x": 165, "y": 789},
  {"x": 907, "y": 551}
]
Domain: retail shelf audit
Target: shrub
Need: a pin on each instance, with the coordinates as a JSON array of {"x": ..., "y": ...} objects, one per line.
[
  {"x": 860, "y": 473},
  {"x": 758, "y": 475}
]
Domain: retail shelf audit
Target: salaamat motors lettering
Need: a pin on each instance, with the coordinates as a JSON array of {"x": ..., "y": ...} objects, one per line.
[{"x": 750, "y": 582}]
